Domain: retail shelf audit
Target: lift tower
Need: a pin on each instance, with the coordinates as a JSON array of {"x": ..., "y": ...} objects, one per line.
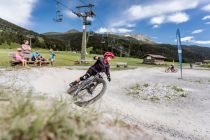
[{"x": 84, "y": 15}]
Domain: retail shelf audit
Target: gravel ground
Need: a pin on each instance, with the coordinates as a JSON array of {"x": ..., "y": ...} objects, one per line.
[{"x": 185, "y": 118}]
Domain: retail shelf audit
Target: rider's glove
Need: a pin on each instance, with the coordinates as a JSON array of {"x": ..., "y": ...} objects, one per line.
[
  {"x": 109, "y": 78},
  {"x": 95, "y": 57}
]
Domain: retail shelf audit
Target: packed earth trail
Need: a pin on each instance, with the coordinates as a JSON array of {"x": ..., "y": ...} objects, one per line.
[{"x": 157, "y": 108}]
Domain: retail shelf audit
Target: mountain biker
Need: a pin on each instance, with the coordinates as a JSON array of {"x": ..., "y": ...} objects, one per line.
[
  {"x": 172, "y": 67},
  {"x": 101, "y": 65}
]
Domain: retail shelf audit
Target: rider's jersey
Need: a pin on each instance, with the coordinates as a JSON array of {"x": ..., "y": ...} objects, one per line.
[{"x": 101, "y": 66}]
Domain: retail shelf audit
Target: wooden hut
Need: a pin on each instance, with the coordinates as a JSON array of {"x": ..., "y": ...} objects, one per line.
[{"x": 154, "y": 59}]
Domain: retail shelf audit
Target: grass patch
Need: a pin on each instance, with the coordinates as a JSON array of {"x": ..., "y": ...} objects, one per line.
[
  {"x": 177, "y": 89},
  {"x": 146, "y": 85},
  {"x": 183, "y": 95},
  {"x": 135, "y": 89},
  {"x": 67, "y": 58},
  {"x": 154, "y": 98},
  {"x": 205, "y": 66},
  {"x": 198, "y": 81},
  {"x": 23, "y": 119},
  {"x": 156, "y": 92}
]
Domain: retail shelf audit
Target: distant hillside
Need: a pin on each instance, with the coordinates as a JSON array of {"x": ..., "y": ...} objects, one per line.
[
  {"x": 61, "y": 33},
  {"x": 141, "y": 37},
  {"x": 10, "y": 27},
  {"x": 11, "y": 33},
  {"x": 72, "y": 31},
  {"x": 131, "y": 45}
]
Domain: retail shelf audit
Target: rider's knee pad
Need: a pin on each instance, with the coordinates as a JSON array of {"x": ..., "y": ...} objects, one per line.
[{"x": 84, "y": 77}]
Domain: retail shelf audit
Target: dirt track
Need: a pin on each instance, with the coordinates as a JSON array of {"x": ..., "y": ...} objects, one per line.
[{"x": 183, "y": 118}]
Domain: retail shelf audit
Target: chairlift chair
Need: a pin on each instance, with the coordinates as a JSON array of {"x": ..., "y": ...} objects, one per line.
[
  {"x": 91, "y": 33},
  {"x": 103, "y": 39},
  {"x": 59, "y": 16}
]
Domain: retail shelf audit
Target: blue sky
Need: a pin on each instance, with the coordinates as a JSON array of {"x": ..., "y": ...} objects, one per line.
[{"x": 157, "y": 19}]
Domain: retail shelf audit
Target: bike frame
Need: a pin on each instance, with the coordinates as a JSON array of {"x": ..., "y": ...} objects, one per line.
[{"x": 86, "y": 83}]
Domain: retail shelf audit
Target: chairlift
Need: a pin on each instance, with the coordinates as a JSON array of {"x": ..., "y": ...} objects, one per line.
[
  {"x": 103, "y": 39},
  {"x": 59, "y": 16},
  {"x": 91, "y": 33},
  {"x": 109, "y": 45},
  {"x": 88, "y": 22}
]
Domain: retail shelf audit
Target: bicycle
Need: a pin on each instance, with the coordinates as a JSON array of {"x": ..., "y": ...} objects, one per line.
[
  {"x": 88, "y": 91},
  {"x": 173, "y": 70}
]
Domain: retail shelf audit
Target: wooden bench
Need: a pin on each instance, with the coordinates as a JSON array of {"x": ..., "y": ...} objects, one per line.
[
  {"x": 123, "y": 64},
  {"x": 14, "y": 62}
]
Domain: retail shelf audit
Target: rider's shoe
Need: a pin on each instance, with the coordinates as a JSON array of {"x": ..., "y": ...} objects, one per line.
[{"x": 73, "y": 83}]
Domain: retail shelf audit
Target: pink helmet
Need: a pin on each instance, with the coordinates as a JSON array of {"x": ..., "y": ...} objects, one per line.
[{"x": 109, "y": 54}]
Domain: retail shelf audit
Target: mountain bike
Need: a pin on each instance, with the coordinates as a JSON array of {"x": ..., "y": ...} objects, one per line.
[
  {"x": 173, "y": 70},
  {"x": 88, "y": 91}
]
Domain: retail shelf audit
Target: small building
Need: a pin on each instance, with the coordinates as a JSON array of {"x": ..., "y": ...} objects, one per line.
[
  {"x": 198, "y": 63},
  {"x": 154, "y": 59},
  {"x": 206, "y": 61}
]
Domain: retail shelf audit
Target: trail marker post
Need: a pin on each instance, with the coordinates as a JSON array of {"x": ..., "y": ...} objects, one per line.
[{"x": 179, "y": 46}]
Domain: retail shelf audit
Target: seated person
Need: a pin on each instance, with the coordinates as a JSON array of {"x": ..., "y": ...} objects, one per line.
[
  {"x": 20, "y": 58},
  {"x": 26, "y": 50},
  {"x": 41, "y": 60},
  {"x": 35, "y": 55}
]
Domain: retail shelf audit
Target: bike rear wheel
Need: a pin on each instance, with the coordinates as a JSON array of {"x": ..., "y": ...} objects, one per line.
[
  {"x": 167, "y": 70},
  {"x": 174, "y": 70},
  {"x": 84, "y": 97}
]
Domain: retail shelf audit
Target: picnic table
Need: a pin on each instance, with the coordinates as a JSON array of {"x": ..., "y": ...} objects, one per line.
[
  {"x": 123, "y": 64},
  {"x": 14, "y": 62}
]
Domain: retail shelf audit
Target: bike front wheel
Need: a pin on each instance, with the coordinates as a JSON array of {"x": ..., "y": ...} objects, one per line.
[{"x": 90, "y": 94}]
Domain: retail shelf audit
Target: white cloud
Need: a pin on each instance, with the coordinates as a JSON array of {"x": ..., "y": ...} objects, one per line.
[
  {"x": 191, "y": 39},
  {"x": 178, "y": 18},
  {"x": 206, "y": 17},
  {"x": 114, "y": 30},
  {"x": 173, "y": 18},
  {"x": 197, "y": 31},
  {"x": 123, "y": 30},
  {"x": 102, "y": 30},
  {"x": 70, "y": 14},
  {"x": 17, "y": 11},
  {"x": 206, "y": 42},
  {"x": 129, "y": 25},
  {"x": 137, "y": 12},
  {"x": 122, "y": 24},
  {"x": 207, "y": 23},
  {"x": 206, "y": 8},
  {"x": 157, "y": 20},
  {"x": 187, "y": 39},
  {"x": 156, "y": 26},
  {"x": 171, "y": 9},
  {"x": 90, "y": 18}
]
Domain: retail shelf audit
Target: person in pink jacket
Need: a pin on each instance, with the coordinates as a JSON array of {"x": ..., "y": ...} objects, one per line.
[
  {"x": 26, "y": 47},
  {"x": 20, "y": 58},
  {"x": 26, "y": 50}
]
